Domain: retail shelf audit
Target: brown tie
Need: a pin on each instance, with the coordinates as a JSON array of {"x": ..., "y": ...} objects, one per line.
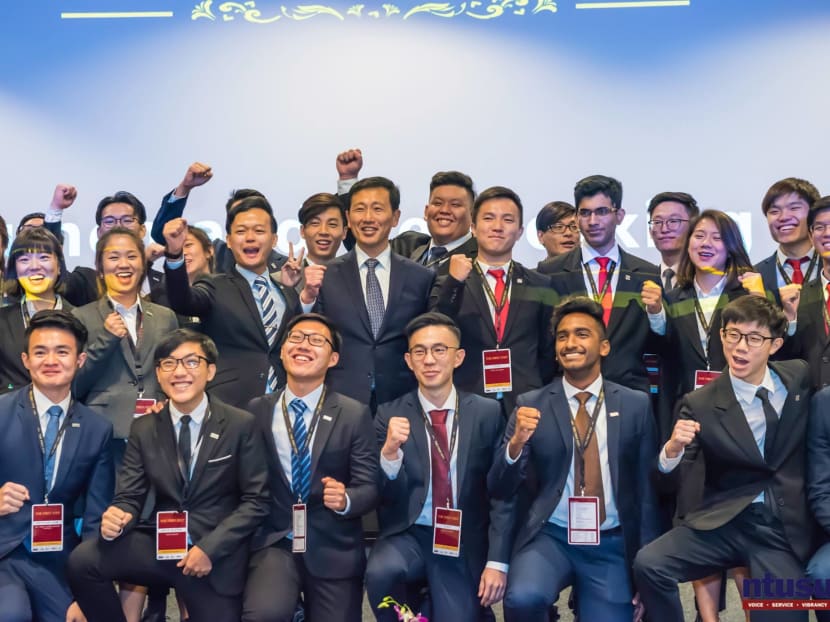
[{"x": 593, "y": 474}]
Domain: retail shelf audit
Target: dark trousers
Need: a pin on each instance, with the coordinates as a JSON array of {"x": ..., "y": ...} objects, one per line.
[
  {"x": 95, "y": 564},
  {"x": 754, "y": 538},
  {"x": 33, "y": 587},
  {"x": 547, "y": 564},
  {"x": 277, "y": 577},
  {"x": 406, "y": 558}
]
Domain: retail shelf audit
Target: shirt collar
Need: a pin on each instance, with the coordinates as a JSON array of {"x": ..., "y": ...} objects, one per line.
[
  {"x": 594, "y": 388},
  {"x": 121, "y": 309},
  {"x": 715, "y": 291},
  {"x": 589, "y": 253},
  {"x": 485, "y": 267},
  {"x": 745, "y": 391},
  {"x": 43, "y": 403},
  {"x": 449, "y": 403},
  {"x": 197, "y": 415},
  {"x": 664, "y": 267},
  {"x": 250, "y": 275},
  {"x": 311, "y": 399},
  {"x": 384, "y": 258},
  {"x": 451, "y": 246},
  {"x": 782, "y": 258}
]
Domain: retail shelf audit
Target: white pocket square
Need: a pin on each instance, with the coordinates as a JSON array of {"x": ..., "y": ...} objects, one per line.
[{"x": 228, "y": 457}]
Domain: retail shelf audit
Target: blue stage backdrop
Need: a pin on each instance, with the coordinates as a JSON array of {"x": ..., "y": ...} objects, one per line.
[{"x": 711, "y": 97}]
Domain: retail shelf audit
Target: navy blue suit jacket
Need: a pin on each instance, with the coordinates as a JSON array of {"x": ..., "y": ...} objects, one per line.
[
  {"x": 84, "y": 477},
  {"x": 632, "y": 445},
  {"x": 818, "y": 460},
  {"x": 363, "y": 358}
]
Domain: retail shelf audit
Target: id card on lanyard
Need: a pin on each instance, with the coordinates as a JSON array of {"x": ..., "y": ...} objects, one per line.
[
  {"x": 583, "y": 511},
  {"x": 142, "y": 405}
]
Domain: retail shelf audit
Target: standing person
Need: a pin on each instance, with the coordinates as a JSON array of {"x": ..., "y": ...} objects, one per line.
[
  {"x": 669, "y": 218},
  {"x": 55, "y": 456},
  {"x": 320, "y": 455},
  {"x": 427, "y": 472},
  {"x": 556, "y": 230},
  {"x": 743, "y": 435},
  {"x": 205, "y": 461},
  {"x": 591, "y": 444},
  {"x": 502, "y": 309}
]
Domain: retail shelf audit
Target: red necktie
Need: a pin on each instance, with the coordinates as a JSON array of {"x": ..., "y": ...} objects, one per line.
[
  {"x": 798, "y": 275},
  {"x": 607, "y": 301},
  {"x": 827, "y": 304},
  {"x": 499, "y": 316},
  {"x": 441, "y": 483}
]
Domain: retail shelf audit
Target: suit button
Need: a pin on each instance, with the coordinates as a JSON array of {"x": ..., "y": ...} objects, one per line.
[
  {"x": 781, "y": 501},
  {"x": 825, "y": 359}
]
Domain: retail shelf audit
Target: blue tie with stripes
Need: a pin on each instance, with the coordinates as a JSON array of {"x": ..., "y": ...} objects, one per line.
[
  {"x": 270, "y": 321},
  {"x": 300, "y": 463}
]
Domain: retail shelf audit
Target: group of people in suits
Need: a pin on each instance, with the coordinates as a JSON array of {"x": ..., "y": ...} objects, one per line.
[{"x": 515, "y": 430}]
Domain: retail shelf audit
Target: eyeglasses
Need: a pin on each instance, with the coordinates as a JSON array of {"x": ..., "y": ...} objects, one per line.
[
  {"x": 820, "y": 228},
  {"x": 733, "y": 337},
  {"x": 315, "y": 339},
  {"x": 190, "y": 362},
  {"x": 671, "y": 224},
  {"x": 600, "y": 212},
  {"x": 561, "y": 228},
  {"x": 438, "y": 351},
  {"x": 109, "y": 222}
]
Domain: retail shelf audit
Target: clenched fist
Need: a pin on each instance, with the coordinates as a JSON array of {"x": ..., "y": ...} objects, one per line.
[
  {"x": 460, "y": 266},
  {"x": 527, "y": 420},
  {"x": 63, "y": 197},
  {"x": 397, "y": 433},
  {"x": 114, "y": 324},
  {"x": 313, "y": 282},
  {"x": 195, "y": 175},
  {"x": 175, "y": 234},
  {"x": 684, "y": 433},
  {"x": 12, "y": 498},
  {"x": 349, "y": 163},
  {"x": 652, "y": 297},
  {"x": 113, "y": 522},
  {"x": 334, "y": 494}
]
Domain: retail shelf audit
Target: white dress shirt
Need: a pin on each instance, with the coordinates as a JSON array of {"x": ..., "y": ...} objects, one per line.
[
  {"x": 782, "y": 259},
  {"x": 43, "y": 404},
  {"x": 276, "y": 294},
  {"x": 589, "y": 256},
  {"x": 129, "y": 315},
  {"x": 491, "y": 281},
  {"x": 197, "y": 419}
]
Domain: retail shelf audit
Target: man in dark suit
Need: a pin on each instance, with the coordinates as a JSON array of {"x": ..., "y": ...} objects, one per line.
[
  {"x": 427, "y": 469},
  {"x": 200, "y": 456},
  {"x": 786, "y": 206},
  {"x": 321, "y": 454},
  {"x": 498, "y": 303},
  {"x": 738, "y": 452},
  {"x": 669, "y": 218},
  {"x": 613, "y": 277},
  {"x": 370, "y": 294},
  {"x": 590, "y": 444},
  {"x": 556, "y": 230},
  {"x": 244, "y": 310},
  {"x": 52, "y": 450},
  {"x": 818, "y": 487}
]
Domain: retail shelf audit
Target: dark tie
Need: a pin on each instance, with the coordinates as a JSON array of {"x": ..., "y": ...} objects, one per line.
[
  {"x": 668, "y": 275},
  {"x": 593, "y": 473},
  {"x": 607, "y": 301},
  {"x": 500, "y": 317},
  {"x": 772, "y": 421},
  {"x": 434, "y": 256},
  {"x": 374, "y": 297},
  {"x": 798, "y": 275},
  {"x": 270, "y": 321},
  {"x": 49, "y": 438},
  {"x": 300, "y": 462},
  {"x": 441, "y": 483},
  {"x": 184, "y": 444}
]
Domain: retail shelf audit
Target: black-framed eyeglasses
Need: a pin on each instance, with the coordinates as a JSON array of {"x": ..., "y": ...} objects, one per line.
[
  {"x": 561, "y": 228},
  {"x": 315, "y": 339},
  {"x": 600, "y": 212},
  {"x": 733, "y": 337},
  {"x": 819, "y": 228},
  {"x": 189, "y": 362},
  {"x": 438, "y": 351},
  {"x": 113, "y": 221},
  {"x": 671, "y": 224}
]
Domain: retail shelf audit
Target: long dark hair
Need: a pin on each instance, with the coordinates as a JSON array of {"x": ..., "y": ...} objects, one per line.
[{"x": 737, "y": 259}]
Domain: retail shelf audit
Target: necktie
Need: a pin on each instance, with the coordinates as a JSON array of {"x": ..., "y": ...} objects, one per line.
[
  {"x": 798, "y": 275},
  {"x": 49, "y": 439},
  {"x": 590, "y": 458},
  {"x": 434, "y": 256},
  {"x": 184, "y": 445},
  {"x": 607, "y": 301},
  {"x": 668, "y": 275},
  {"x": 300, "y": 462},
  {"x": 374, "y": 297},
  {"x": 499, "y": 316},
  {"x": 827, "y": 306},
  {"x": 270, "y": 321},
  {"x": 772, "y": 421},
  {"x": 441, "y": 483}
]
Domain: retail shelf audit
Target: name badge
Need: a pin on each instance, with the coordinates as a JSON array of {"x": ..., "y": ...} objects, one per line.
[
  {"x": 298, "y": 524},
  {"x": 47, "y": 527},
  {"x": 498, "y": 375},
  {"x": 446, "y": 532},
  {"x": 704, "y": 377},
  {"x": 583, "y": 521},
  {"x": 143, "y": 406},
  {"x": 171, "y": 535}
]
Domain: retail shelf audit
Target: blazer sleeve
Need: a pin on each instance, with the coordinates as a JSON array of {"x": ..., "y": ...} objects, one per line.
[
  {"x": 362, "y": 487},
  {"x": 99, "y": 351},
  {"x": 390, "y": 489},
  {"x": 649, "y": 522},
  {"x": 447, "y": 296},
  {"x": 502, "y": 513},
  {"x": 133, "y": 484},
  {"x": 504, "y": 479},
  {"x": 690, "y": 487},
  {"x": 168, "y": 210},
  {"x": 100, "y": 487},
  {"x": 818, "y": 460},
  {"x": 187, "y": 299}
]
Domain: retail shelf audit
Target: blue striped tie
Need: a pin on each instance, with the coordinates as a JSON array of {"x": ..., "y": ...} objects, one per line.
[
  {"x": 300, "y": 464},
  {"x": 49, "y": 438},
  {"x": 270, "y": 322},
  {"x": 374, "y": 297}
]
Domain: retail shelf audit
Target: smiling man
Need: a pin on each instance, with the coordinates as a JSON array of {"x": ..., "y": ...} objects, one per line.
[{"x": 669, "y": 215}]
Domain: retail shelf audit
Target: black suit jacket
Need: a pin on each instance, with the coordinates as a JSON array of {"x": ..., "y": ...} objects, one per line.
[
  {"x": 527, "y": 332},
  {"x": 415, "y": 246},
  {"x": 734, "y": 472},
  {"x": 818, "y": 460},
  {"x": 487, "y": 525},
  {"x": 632, "y": 445},
  {"x": 810, "y": 341},
  {"x": 362, "y": 357},
  {"x": 229, "y": 314},
  {"x": 768, "y": 269},
  {"x": 227, "y": 497},
  {"x": 344, "y": 449},
  {"x": 628, "y": 328}
]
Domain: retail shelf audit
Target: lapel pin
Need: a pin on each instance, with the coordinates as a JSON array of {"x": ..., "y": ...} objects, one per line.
[
  {"x": 520, "y": 281},
  {"x": 627, "y": 277},
  {"x": 614, "y": 413},
  {"x": 75, "y": 424},
  {"x": 326, "y": 418},
  {"x": 214, "y": 435},
  {"x": 797, "y": 398}
]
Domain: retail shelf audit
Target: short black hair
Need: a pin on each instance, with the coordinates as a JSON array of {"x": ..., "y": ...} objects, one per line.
[
  {"x": 168, "y": 344},
  {"x": 336, "y": 338},
  {"x": 239, "y": 194},
  {"x": 684, "y": 198},
  {"x": 122, "y": 196},
  {"x": 60, "y": 319},
  {"x": 378, "y": 182},
  {"x": 498, "y": 192},
  {"x": 790, "y": 185},
  {"x": 431, "y": 318},
  {"x": 101, "y": 246},
  {"x": 763, "y": 312},
  {"x": 27, "y": 218},
  {"x": 38, "y": 240},
  {"x": 551, "y": 213},
  {"x": 453, "y": 178},
  {"x": 578, "y": 304},
  {"x": 247, "y": 204},
  {"x": 598, "y": 184},
  {"x": 4, "y": 242},
  {"x": 816, "y": 208},
  {"x": 318, "y": 203}
]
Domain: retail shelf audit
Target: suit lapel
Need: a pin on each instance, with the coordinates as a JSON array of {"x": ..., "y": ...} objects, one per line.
[
  {"x": 612, "y": 421},
  {"x": 396, "y": 278},
  {"x": 686, "y": 319},
  {"x": 792, "y": 409},
  {"x": 28, "y": 421},
  {"x": 325, "y": 426},
  {"x": 213, "y": 427},
  {"x": 247, "y": 295},
  {"x": 166, "y": 441},
  {"x": 475, "y": 287},
  {"x": 104, "y": 309},
  {"x": 419, "y": 434},
  {"x": 518, "y": 300},
  {"x": 266, "y": 418},
  {"x": 69, "y": 447},
  {"x": 732, "y": 418},
  {"x": 465, "y": 438},
  {"x": 419, "y": 252},
  {"x": 626, "y": 286},
  {"x": 351, "y": 274}
]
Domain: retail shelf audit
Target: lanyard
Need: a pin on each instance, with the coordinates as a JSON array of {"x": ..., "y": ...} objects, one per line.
[
  {"x": 315, "y": 418},
  {"x": 704, "y": 324},
  {"x": 24, "y": 309},
  {"x": 824, "y": 311},
  {"x": 579, "y": 445},
  {"x": 807, "y": 274},
  {"x": 498, "y": 306},
  {"x": 434, "y": 439},
  {"x": 598, "y": 296},
  {"x": 134, "y": 345},
  {"x": 52, "y": 450}
]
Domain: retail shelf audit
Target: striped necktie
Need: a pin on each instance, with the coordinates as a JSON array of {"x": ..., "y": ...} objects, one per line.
[
  {"x": 300, "y": 462},
  {"x": 374, "y": 297},
  {"x": 49, "y": 439},
  {"x": 270, "y": 321}
]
